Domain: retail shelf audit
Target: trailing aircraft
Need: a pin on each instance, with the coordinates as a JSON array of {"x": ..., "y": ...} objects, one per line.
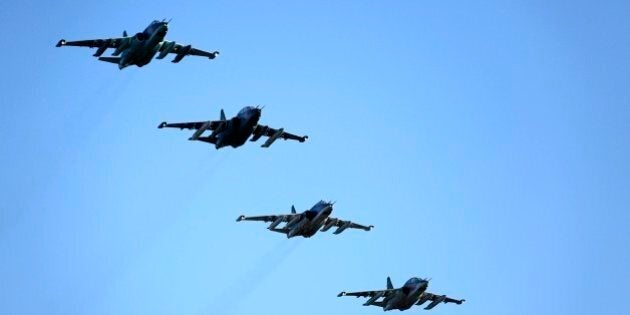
[
  {"x": 140, "y": 48},
  {"x": 235, "y": 131},
  {"x": 414, "y": 292},
  {"x": 307, "y": 223}
]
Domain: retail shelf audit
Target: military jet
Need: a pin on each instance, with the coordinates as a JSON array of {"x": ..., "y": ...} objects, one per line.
[
  {"x": 307, "y": 223},
  {"x": 235, "y": 131},
  {"x": 139, "y": 49},
  {"x": 413, "y": 292}
]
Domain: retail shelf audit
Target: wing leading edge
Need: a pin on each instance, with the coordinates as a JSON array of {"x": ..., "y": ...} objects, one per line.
[
  {"x": 181, "y": 51},
  {"x": 436, "y": 299},
  {"x": 274, "y": 134},
  {"x": 343, "y": 225}
]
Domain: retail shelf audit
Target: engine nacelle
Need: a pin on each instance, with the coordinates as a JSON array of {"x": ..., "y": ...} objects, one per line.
[
  {"x": 294, "y": 221},
  {"x": 124, "y": 44}
]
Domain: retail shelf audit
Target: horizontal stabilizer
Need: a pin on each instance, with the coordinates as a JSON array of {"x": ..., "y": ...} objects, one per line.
[{"x": 115, "y": 60}]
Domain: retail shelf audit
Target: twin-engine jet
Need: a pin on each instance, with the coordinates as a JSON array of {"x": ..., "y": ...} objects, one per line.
[
  {"x": 235, "y": 131},
  {"x": 307, "y": 223},
  {"x": 139, "y": 49},
  {"x": 413, "y": 292}
]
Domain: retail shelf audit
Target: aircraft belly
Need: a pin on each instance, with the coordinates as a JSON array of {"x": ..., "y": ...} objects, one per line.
[{"x": 309, "y": 232}]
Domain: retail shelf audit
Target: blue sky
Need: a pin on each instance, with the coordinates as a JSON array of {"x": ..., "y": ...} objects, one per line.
[{"x": 487, "y": 142}]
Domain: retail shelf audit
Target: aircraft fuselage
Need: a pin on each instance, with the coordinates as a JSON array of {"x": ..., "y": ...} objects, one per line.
[
  {"x": 144, "y": 45},
  {"x": 238, "y": 129},
  {"x": 311, "y": 220},
  {"x": 408, "y": 295}
]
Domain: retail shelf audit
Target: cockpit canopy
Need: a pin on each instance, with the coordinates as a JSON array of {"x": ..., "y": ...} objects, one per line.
[
  {"x": 413, "y": 280},
  {"x": 153, "y": 27},
  {"x": 245, "y": 110}
]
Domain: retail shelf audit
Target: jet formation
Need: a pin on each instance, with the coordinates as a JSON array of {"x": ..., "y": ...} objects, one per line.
[
  {"x": 414, "y": 292},
  {"x": 140, "y": 48},
  {"x": 234, "y": 132},
  {"x": 307, "y": 223}
]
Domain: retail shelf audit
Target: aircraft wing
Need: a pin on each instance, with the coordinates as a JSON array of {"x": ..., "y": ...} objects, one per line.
[
  {"x": 436, "y": 299},
  {"x": 200, "y": 126},
  {"x": 102, "y": 44},
  {"x": 371, "y": 294},
  {"x": 181, "y": 51},
  {"x": 274, "y": 134},
  {"x": 269, "y": 218},
  {"x": 210, "y": 125},
  {"x": 342, "y": 225}
]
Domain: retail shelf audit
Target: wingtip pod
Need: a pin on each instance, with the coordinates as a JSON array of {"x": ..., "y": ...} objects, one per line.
[
  {"x": 369, "y": 228},
  {"x": 213, "y": 55},
  {"x": 461, "y": 301},
  {"x": 343, "y": 293},
  {"x": 162, "y": 125},
  {"x": 304, "y": 139},
  {"x": 60, "y": 43},
  {"x": 240, "y": 218}
]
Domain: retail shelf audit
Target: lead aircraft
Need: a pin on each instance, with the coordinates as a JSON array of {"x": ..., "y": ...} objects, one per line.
[
  {"x": 139, "y": 49},
  {"x": 235, "y": 131},
  {"x": 307, "y": 223},
  {"x": 414, "y": 292}
]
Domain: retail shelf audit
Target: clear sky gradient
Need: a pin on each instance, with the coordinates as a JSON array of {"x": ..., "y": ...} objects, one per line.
[{"x": 487, "y": 142}]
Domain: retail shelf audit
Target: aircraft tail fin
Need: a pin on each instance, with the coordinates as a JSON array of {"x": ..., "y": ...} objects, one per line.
[
  {"x": 222, "y": 114},
  {"x": 115, "y": 60},
  {"x": 389, "y": 283},
  {"x": 125, "y": 34},
  {"x": 293, "y": 210}
]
